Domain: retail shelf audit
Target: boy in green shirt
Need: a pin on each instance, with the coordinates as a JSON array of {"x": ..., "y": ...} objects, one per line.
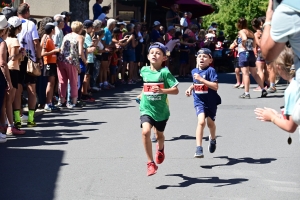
[{"x": 154, "y": 108}]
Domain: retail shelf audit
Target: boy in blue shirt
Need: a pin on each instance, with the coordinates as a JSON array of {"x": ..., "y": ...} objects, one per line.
[{"x": 206, "y": 99}]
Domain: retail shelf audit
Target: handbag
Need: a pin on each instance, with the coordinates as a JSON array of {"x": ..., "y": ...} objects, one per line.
[{"x": 33, "y": 68}]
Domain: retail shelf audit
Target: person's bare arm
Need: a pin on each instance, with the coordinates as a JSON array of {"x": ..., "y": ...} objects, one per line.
[
  {"x": 3, "y": 64},
  {"x": 38, "y": 51},
  {"x": 16, "y": 54},
  {"x": 80, "y": 49}
]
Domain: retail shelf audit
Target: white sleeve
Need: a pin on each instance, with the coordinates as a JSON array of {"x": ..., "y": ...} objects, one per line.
[{"x": 34, "y": 32}]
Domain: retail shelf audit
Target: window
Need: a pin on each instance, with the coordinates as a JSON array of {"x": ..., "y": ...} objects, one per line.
[{"x": 126, "y": 15}]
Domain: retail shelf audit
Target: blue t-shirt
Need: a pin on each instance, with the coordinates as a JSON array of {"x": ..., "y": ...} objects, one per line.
[
  {"x": 88, "y": 43},
  {"x": 107, "y": 36},
  {"x": 291, "y": 95},
  {"x": 97, "y": 10},
  {"x": 211, "y": 99},
  {"x": 155, "y": 35}
]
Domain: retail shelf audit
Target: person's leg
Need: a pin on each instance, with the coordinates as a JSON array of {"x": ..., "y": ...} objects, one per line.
[
  {"x": 212, "y": 128},
  {"x": 146, "y": 132},
  {"x": 131, "y": 71},
  {"x": 246, "y": 78},
  {"x": 260, "y": 70},
  {"x": 73, "y": 77},
  {"x": 256, "y": 77},
  {"x": 17, "y": 105},
  {"x": 272, "y": 78},
  {"x": 238, "y": 77},
  {"x": 9, "y": 107},
  {"x": 31, "y": 104},
  {"x": 63, "y": 81},
  {"x": 50, "y": 89},
  {"x": 200, "y": 128}
]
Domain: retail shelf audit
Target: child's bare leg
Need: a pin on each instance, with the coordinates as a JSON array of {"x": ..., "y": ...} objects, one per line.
[
  {"x": 154, "y": 138},
  {"x": 146, "y": 132},
  {"x": 200, "y": 129},
  {"x": 160, "y": 139},
  {"x": 212, "y": 128}
]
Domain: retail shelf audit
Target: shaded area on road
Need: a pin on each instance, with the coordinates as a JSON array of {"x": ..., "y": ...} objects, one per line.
[
  {"x": 188, "y": 137},
  {"x": 234, "y": 161},
  {"x": 29, "y": 174},
  {"x": 188, "y": 181}
]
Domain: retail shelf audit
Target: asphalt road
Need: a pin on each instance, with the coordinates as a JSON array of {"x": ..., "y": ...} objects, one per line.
[{"x": 97, "y": 153}]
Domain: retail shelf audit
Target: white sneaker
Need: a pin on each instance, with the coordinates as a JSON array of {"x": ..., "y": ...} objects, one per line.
[
  {"x": 2, "y": 138},
  {"x": 24, "y": 118},
  {"x": 70, "y": 106},
  {"x": 96, "y": 88}
]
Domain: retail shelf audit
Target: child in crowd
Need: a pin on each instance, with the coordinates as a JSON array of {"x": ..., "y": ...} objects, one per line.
[
  {"x": 154, "y": 109},
  {"x": 286, "y": 69},
  {"x": 206, "y": 99},
  {"x": 49, "y": 55}
]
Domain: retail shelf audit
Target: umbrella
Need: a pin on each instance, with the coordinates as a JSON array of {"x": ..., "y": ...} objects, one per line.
[{"x": 196, "y": 7}]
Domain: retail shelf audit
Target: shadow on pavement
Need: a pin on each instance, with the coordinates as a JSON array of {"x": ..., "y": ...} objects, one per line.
[
  {"x": 187, "y": 137},
  {"x": 234, "y": 161},
  {"x": 188, "y": 181}
]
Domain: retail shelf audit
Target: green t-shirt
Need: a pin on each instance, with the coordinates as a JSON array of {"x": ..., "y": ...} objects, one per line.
[{"x": 156, "y": 105}]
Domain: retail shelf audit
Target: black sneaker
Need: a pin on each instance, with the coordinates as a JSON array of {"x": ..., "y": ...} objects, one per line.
[
  {"x": 245, "y": 96},
  {"x": 212, "y": 145},
  {"x": 264, "y": 93}
]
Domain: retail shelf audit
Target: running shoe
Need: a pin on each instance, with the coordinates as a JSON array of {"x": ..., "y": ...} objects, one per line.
[
  {"x": 241, "y": 86},
  {"x": 24, "y": 118},
  {"x": 18, "y": 124},
  {"x": 237, "y": 85},
  {"x": 31, "y": 124},
  {"x": 14, "y": 131},
  {"x": 151, "y": 168},
  {"x": 2, "y": 138},
  {"x": 271, "y": 90},
  {"x": 62, "y": 105},
  {"x": 245, "y": 96},
  {"x": 199, "y": 152},
  {"x": 264, "y": 93},
  {"x": 153, "y": 139},
  {"x": 257, "y": 89},
  {"x": 212, "y": 145},
  {"x": 160, "y": 155},
  {"x": 50, "y": 108}
]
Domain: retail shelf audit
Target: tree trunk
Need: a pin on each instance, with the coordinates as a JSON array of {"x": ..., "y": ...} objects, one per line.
[{"x": 80, "y": 10}]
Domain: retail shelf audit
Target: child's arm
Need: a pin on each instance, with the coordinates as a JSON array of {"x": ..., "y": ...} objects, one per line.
[
  {"x": 157, "y": 89},
  {"x": 211, "y": 85},
  {"x": 48, "y": 53},
  {"x": 188, "y": 92}
]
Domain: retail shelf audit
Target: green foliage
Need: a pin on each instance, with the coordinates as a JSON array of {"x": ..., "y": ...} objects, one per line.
[{"x": 227, "y": 12}]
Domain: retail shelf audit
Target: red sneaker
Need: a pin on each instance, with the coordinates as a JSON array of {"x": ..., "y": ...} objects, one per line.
[
  {"x": 151, "y": 168},
  {"x": 160, "y": 155},
  {"x": 14, "y": 131}
]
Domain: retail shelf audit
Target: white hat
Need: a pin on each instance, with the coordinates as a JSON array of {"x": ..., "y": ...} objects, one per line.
[
  {"x": 58, "y": 15},
  {"x": 15, "y": 21},
  {"x": 156, "y": 23},
  {"x": 3, "y": 22},
  {"x": 122, "y": 23}
]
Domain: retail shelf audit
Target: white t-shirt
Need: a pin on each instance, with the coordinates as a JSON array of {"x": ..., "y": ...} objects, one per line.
[
  {"x": 26, "y": 36},
  {"x": 171, "y": 44},
  {"x": 102, "y": 17},
  {"x": 183, "y": 22}
]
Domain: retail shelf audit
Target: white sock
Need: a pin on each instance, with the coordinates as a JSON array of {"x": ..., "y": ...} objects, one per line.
[{"x": 247, "y": 93}]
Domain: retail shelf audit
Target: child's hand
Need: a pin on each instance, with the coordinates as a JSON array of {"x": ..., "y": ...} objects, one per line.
[
  {"x": 188, "y": 92},
  {"x": 198, "y": 77},
  {"x": 139, "y": 96},
  {"x": 156, "y": 89}
]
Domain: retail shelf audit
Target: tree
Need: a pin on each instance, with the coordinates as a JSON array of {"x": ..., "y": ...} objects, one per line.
[
  {"x": 80, "y": 9},
  {"x": 227, "y": 12}
]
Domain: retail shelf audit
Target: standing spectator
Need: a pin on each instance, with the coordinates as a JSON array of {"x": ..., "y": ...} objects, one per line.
[
  {"x": 67, "y": 29},
  {"x": 59, "y": 35},
  {"x": 172, "y": 17},
  {"x": 199, "y": 23},
  {"x": 97, "y": 9},
  {"x": 103, "y": 17},
  {"x": 49, "y": 52},
  {"x": 155, "y": 35},
  {"x": 139, "y": 49},
  {"x": 170, "y": 34},
  {"x": 107, "y": 42},
  {"x": 5, "y": 82},
  {"x": 69, "y": 66},
  {"x": 184, "y": 22},
  {"x": 9, "y": 12},
  {"x": 189, "y": 18},
  {"x": 184, "y": 56},
  {"x": 29, "y": 39}
]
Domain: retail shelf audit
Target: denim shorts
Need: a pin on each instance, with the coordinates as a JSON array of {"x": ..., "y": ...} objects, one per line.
[
  {"x": 129, "y": 55},
  {"x": 245, "y": 61}
]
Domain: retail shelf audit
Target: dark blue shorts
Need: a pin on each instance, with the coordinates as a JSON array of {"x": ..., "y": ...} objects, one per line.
[
  {"x": 208, "y": 112},
  {"x": 113, "y": 70},
  {"x": 245, "y": 61},
  {"x": 129, "y": 55}
]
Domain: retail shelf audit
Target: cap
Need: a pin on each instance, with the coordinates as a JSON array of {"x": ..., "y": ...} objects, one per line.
[
  {"x": 159, "y": 46},
  {"x": 9, "y": 12},
  {"x": 58, "y": 15},
  {"x": 49, "y": 26},
  {"x": 171, "y": 28},
  {"x": 156, "y": 23},
  {"x": 66, "y": 13},
  {"x": 122, "y": 23},
  {"x": 15, "y": 21},
  {"x": 88, "y": 23},
  {"x": 204, "y": 51},
  {"x": 3, "y": 22},
  {"x": 116, "y": 30}
]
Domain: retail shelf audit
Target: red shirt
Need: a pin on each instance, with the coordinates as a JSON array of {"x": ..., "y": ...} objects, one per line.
[{"x": 114, "y": 60}]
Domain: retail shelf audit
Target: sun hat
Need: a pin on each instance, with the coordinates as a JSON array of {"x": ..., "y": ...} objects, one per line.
[
  {"x": 3, "y": 22},
  {"x": 15, "y": 21}
]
